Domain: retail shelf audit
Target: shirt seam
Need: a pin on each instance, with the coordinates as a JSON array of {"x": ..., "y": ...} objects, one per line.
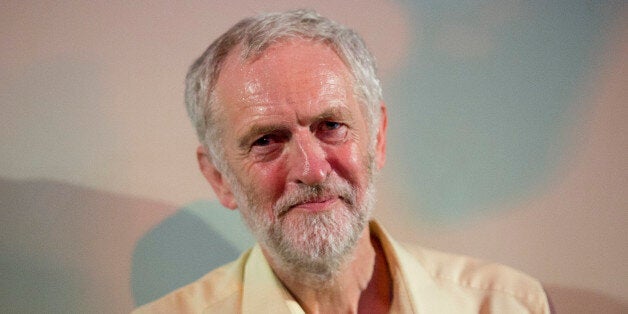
[{"x": 529, "y": 298}]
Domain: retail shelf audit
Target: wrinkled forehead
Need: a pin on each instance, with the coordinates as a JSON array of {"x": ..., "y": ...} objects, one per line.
[{"x": 281, "y": 67}]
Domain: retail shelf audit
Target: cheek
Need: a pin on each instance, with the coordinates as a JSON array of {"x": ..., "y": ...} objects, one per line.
[
  {"x": 348, "y": 161},
  {"x": 268, "y": 179}
]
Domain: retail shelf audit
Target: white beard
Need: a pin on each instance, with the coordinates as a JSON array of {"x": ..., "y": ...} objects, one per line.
[{"x": 309, "y": 244}]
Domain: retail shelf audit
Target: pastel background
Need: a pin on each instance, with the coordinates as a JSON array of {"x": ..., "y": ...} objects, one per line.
[{"x": 508, "y": 141}]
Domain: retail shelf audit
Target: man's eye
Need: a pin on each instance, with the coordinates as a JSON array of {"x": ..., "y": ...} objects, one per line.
[
  {"x": 332, "y": 132},
  {"x": 330, "y": 125},
  {"x": 264, "y": 140},
  {"x": 267, "y": 146}
]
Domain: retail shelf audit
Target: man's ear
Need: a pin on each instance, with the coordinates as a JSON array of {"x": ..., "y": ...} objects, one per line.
[
  {"x": 215, "y": 178},
  {"x": 380, "y": 146}
]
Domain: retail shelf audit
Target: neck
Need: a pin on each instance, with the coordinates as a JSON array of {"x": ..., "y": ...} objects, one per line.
[{"x": 363, "y": 283}]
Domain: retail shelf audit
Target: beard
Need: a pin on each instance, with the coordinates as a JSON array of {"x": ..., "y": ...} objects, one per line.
[{"x": 310, "y": 244}]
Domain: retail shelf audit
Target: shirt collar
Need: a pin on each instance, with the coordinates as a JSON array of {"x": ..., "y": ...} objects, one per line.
[{"x": 263, "y": 292}]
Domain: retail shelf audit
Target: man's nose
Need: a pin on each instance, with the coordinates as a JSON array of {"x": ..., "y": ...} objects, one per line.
[{"x": 308, "y": 160}]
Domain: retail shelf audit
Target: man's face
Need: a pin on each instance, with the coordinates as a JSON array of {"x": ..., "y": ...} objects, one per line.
[{"x": 296, "y": 145}]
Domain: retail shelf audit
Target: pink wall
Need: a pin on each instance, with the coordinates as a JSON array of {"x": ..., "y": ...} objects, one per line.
[{"x": 97, "y": 151}]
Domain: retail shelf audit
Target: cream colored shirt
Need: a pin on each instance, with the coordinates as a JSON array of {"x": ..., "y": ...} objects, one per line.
[{"x": 424, "y": 281}]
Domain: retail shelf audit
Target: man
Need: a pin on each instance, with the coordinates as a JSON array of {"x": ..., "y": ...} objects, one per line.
[{"x": 290, "y": 115}]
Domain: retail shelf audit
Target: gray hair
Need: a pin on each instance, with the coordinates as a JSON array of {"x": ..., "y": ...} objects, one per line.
[{"x": 254, "y": 35}]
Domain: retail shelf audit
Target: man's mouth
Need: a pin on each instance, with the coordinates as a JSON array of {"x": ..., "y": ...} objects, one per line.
[{"x": 316, "y": 205}]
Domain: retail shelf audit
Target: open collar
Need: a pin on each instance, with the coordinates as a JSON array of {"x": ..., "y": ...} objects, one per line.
[{"x": 264, "y": 292}]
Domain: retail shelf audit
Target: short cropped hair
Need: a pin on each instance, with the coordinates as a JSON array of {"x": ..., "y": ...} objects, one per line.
[{"x": 251, "y": 36}]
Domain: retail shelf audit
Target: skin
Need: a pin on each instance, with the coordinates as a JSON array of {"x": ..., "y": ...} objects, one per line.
[{"x": 290, "y": 118}]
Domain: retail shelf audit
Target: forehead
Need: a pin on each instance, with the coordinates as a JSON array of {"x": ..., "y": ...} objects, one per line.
[{"x": 287, "y": 71}]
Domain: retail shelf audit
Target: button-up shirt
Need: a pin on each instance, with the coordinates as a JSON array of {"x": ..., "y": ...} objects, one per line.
[{"x": 424, "y": 281}]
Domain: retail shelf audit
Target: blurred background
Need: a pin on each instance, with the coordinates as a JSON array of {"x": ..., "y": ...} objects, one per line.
[{"x": 508, "y": 141}]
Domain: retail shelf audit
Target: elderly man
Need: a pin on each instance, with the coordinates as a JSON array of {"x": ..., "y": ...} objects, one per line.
[{"x": 290, "y": 115}]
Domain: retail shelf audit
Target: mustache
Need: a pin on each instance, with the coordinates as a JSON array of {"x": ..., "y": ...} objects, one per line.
[{"x": 308, "y": 193}]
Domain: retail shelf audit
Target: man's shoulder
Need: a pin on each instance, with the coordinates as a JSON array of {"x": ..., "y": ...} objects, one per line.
[
  {"x": 219, "y": 288},
  {"x": 489, "y": 282}
]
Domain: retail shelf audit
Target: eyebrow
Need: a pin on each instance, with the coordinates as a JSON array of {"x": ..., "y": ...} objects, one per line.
[{"x": 334, "y": 112}]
